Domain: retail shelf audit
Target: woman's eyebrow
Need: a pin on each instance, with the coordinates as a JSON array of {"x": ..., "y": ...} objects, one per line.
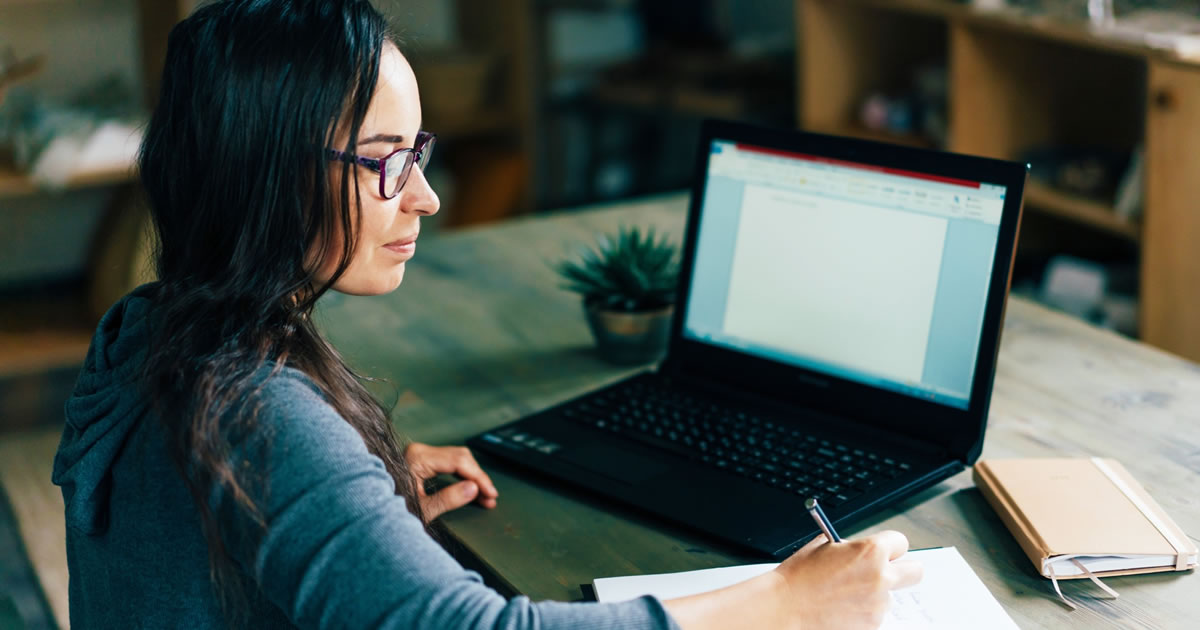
[{"x": 382, "y": 137}]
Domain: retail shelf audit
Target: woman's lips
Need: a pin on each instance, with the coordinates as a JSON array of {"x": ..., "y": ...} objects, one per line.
[{"x": 404, "y": 246}]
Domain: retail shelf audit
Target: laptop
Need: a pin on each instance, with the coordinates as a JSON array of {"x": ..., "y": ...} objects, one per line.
[{"x": 835, "y": 336}]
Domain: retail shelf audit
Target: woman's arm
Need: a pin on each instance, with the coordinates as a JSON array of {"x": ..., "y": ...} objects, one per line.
[{"x": 342, "y": 551}]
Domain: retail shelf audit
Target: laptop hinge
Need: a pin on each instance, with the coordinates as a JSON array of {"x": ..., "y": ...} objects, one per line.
[{"x": 669, "y": 367}]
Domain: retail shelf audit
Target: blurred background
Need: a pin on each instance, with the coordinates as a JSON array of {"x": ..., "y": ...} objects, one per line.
[{"x": 549, "y": 105}]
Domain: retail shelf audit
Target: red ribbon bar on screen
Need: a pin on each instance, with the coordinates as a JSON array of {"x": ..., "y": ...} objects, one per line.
[{"x": 868, "y": 167}]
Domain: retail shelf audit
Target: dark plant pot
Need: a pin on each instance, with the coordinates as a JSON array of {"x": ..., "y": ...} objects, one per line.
[{"x": 627, "y": 338}]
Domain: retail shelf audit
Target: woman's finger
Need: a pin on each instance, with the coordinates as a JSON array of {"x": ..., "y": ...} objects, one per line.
[
  {"x": 903, "y": 573},
  {"x": 811, "y": 545},
  {"x": 427, "y": 461},
  {"x": 893, "y": 542},
  {"x": 459, "y": 461},
  {"x": 449, "y": 498}
]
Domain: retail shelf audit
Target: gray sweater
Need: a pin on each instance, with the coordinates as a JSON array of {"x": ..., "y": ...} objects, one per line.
[{"x": 341, "y": 550}]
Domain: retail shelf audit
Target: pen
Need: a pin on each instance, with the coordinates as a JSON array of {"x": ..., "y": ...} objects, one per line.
[{"x": 818, "y": 515}]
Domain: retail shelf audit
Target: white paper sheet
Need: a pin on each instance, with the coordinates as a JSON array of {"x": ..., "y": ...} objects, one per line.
[{"x": 950, "y": 596}]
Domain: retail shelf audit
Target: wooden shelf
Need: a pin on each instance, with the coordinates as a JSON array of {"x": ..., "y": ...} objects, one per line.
[
  {"x": 43, "y": 331},
  {"x": 1091, "y": 213},
  {"x": 39, "y": 351},
  {"x": 862, "y": 133},
  {"x": 16, "y": 184},
  {"x": 1017, "y": 22},
  {"x": 43, "y": 334}
]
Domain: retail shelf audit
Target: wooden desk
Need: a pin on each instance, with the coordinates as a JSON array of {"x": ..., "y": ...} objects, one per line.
[{"x": 480, "y": 334}]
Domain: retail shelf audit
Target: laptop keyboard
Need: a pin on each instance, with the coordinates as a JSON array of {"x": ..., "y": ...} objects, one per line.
[{"x": 740, "y": 443}]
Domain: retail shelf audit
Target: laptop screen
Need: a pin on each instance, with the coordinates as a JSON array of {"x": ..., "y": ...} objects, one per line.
[{"x": 871, "y": 274}]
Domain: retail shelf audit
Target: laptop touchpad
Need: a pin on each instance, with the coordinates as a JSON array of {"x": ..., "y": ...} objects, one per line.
[{"x": 614, "y": 464}]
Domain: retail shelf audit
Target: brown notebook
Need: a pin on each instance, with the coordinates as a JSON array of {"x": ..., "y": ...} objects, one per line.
[{"x": 1078, "y": 517}]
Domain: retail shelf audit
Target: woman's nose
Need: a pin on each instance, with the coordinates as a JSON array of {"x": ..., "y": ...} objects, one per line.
[{"x": 420, "y": 197}]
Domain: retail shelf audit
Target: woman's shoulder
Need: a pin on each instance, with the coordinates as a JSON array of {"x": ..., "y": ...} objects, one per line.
[
  {"x": 282, "y": 392},
  {"x": 293, "y": 413},
  {"x": 282, "y": 383}
]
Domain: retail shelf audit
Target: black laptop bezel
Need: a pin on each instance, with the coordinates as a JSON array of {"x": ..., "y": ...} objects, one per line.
[{"x": 957, "y": 432}]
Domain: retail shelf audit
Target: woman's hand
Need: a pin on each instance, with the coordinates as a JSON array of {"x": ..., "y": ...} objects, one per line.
[
  {"x": 848, "y": 584},
  {"x": 839, "y": 586},
  {"x": 426, "y": 462}
]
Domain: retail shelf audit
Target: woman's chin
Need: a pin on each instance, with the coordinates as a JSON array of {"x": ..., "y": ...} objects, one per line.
[{"x": 378, "y": 284}]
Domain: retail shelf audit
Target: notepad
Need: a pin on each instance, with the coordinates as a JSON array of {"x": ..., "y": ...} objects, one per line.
[
  {"x": 1079, "y": 516},
  {"x": 949, "y": 597}
]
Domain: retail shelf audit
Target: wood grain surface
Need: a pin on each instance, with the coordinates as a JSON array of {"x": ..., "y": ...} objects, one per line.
[{"x": 26, "y": 460}]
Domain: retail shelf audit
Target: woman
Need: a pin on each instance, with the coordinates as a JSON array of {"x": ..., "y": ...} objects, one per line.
[{"x": 221, "y": 465}]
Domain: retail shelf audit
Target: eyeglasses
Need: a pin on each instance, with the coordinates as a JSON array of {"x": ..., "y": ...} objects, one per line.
[{"x": 394, "y": 167}]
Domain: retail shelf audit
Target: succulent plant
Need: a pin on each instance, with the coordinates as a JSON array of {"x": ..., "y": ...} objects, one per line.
[{"x": 632, "y": 271}]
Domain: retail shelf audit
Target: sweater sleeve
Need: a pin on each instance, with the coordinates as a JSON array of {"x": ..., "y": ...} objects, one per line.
[{"x": 342, "y": 551}]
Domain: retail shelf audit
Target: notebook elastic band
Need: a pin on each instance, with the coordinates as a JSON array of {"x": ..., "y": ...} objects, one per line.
[{"x": 1181, "y": 550}]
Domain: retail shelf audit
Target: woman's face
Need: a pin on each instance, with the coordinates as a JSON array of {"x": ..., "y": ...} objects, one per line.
[{"x": 387, "y": 229}]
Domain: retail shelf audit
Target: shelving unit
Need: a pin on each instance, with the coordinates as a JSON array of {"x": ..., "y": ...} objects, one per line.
[
  {"x": 1014, "y": 84},
  {"x": 38, "y": 335},
  {"x": 494, "y": 144},
  {"x": 43, "y": 333},
  {"x": 1094, "y": 214},
  {"x": 17, "y": 185},
  {"x": 623, "y": 122},
  {"x": 858, "y": 131}
]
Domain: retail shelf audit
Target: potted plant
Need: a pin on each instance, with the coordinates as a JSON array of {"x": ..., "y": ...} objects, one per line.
[{"x": 628, "y": 283}]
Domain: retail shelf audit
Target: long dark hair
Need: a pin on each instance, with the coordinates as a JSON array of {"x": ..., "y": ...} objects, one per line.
[{"x": 234, "y": 166}]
